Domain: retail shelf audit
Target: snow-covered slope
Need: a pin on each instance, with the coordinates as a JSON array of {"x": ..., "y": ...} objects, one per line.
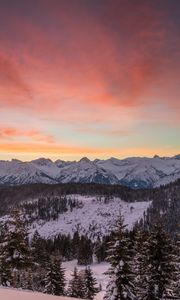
[
  {"x": 94, "y": 217},
  {"x": 86, "y": 171},
  {"x": 143, "y": 172},
  {"x": 9, "y": 294},
  {"x": 135, "y": 172},
  {"x": 17, "y": 172}
]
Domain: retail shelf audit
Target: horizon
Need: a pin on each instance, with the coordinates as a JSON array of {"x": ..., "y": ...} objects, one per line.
[
  {"x": 91, "y": 159},
  {"x": 89, "y": 78}
]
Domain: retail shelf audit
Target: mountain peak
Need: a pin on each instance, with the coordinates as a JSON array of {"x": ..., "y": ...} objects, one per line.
[
  {"x": 84, "y": 159},
  {"x": 156, "y": 156},
  {"x": 16, "y": 160},
  {"x": 42, "y": 161}
]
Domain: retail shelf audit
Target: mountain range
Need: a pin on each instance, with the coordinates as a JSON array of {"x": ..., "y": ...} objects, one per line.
[{"x": 134, "y": 172}]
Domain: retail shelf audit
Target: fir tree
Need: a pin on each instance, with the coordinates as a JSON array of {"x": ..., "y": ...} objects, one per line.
[
  {"x": 140, "y": 262},
  {"x": 55, "y": 279},
  {"x": 75, "y": 244},
  {"x": 99, "y": 251},
  {"x": 177, "y": 281},
  {"x": 5, "y": 274},
  {"x": 85, "y": 251},
  {"x": 121, "y": 271},
  {"x": 90, "y": 284},
  {"x": 15, "y": 250},
  {"x": 76, "y": 287},
  {"x": 161, "y": 264},
  {"x": 38, "y": 248}
]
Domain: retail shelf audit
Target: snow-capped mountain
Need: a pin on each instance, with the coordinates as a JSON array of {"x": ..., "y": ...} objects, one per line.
[
  {"x": 86, "y": 171},
  {"x": 135, "y": 172}
]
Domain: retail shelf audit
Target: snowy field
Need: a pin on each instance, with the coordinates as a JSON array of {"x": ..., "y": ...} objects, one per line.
[{"x": 94, "y": 217}]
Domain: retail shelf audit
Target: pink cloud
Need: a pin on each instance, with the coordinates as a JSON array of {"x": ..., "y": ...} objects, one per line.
[
  {"x": 8, "y": 133},
  {"x": 80, "y": 66}
]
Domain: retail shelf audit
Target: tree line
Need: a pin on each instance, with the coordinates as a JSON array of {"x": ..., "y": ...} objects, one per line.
[
  {"x": 47, "y": 202},
  {"x": 145, "y": 263},
  {"x": 25, "y": 264}
]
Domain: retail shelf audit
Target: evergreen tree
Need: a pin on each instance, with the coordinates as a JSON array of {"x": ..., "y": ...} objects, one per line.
[
  {"x": 28, "y": 281},
  {"x": 38, "y": 248},
  {"x": 75, "y": 244},
  {"x": 121, "y": 272},
  {"x": 161, "y": 264},
  {"x": 55, "y": 279},
  {"x": 90, "y": 284},
  {"x": 5, "y": 274},
  {"x": 99, "y": 250},
  {"x": 76, "y": 287},
  {"x": 15, "y": 250},
  {"x": 140, "y": 262},
  {"x": 85, "y": 251},
  {"x": 177, "y": 281}
]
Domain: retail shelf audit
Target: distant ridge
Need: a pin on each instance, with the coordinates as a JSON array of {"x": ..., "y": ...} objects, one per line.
[{"x": 135, "y": 172}]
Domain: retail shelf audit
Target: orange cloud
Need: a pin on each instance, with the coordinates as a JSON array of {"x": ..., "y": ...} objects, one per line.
[
  {"x": 10, "y": 132},
  {"x": 45, "y": 148}
]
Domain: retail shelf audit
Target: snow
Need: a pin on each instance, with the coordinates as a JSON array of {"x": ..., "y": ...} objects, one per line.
[
  {"x": 9, "y": 294},
  {"x": 153, "y": 170},
  {"x": 94, "y": 217},
  {"x": 135, "y": 172}
]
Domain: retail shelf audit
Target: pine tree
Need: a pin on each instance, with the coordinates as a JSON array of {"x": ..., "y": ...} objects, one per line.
[
  {"x": 76, "y": 287},
  {"x": 90, "y": 284},
  {"x": 161, "y": 264},
  {"x": 75, "y": 244},
  {"x": 55, "y": 279},
  {"x": 121, "y": 271},
  {"x": 85, "y": 251},
  {"x": 28, "y": 281},
  {"x": 140, "y": 262},
  {"x": 177, "y": 281},
  {"x": 5, "y": 274},
  {"x": 39, "y": 253},
  {"x": 99, "y": 250},
  {"x": 15, "y": 250}
]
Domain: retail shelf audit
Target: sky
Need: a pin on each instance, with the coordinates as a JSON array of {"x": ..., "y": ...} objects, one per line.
[{"x": 95, "y": 78}]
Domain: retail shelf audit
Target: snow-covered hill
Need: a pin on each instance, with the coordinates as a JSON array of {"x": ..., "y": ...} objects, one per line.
[
  {"x": 94, "y": 217},
  {"x": 9, "y": 294},
  {"x": 134, "y": 172}
]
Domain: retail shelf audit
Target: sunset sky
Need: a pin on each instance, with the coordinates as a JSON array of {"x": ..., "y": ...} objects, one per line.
[{"x": 96, "y": 78}]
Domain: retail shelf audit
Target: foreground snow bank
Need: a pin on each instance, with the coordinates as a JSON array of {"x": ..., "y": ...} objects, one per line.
[{"x": 10, "y": 294}]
